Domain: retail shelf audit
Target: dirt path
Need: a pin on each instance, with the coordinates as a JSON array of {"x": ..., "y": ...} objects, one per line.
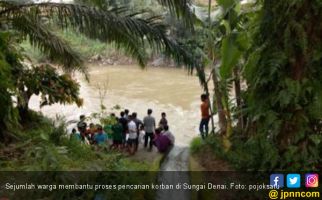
[
  {"x": 174, "y": 169},
  {"x": 147, "y": 156}
]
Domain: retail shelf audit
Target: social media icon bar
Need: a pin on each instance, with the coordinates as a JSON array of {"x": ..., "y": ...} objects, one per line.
[
  {"x": 293, "y": 180},
  {"x": 277, "y": 180},
  {"x": 311, "y": 180}
]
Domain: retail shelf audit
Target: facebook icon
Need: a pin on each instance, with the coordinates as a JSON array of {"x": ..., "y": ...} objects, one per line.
[{"x": 277, "y": 180}]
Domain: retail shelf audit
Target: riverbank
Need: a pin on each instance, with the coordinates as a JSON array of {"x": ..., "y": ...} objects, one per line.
[
  {"x": 121, "y": 59},
  {"x": 151, "y": 158},
  {"x": 95, "y": 52},
  {"x": 201, "y": 161},
  {"x": 43, "y": 145},
  {"x": 203, "y": 158}
]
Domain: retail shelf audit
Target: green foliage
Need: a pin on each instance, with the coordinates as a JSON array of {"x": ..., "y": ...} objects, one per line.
[
  {"x": 5, "y": 74},
  {"x": 226, "y": 4},
  {"x": 234, "y": 39},
  {"x": 118, "y": 25},
  {"x": 104, "y": 118},
  {"x": 46, "y": 147},
  {"x": 181, "y": 8},
  {"x": 260, "y": 153},
  {"x": 279, "y": 55},
  {"x": 39, "y": 35},
  {"x": 9, "y": 61},
  {"x": 34, "y": 54},
  {"x": 196, "y": 144},
  {"x": 52, "y": 87},
  {"x": 34, "y": 22},
  {"x": 21, "y": 81},
  {"x": 88, "y": 47},
  {"x": 252, "y": 154},
  {"x": 284, "y": 80},
  {"x": 230, "y": 55}
]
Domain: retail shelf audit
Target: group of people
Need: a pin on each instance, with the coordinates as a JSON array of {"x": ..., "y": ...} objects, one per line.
[{"x": 126, "y": 132}]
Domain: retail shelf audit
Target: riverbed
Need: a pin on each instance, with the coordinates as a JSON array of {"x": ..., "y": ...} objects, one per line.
[{"x": 169, "y": 90}]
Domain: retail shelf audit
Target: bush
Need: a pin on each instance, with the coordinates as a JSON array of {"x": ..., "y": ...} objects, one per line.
[
  {"x": 196, "y": 144},
  {"x": 260, "y": 153},
  {"x": 251, "y": 154},
  {"x": 45, "y": 148}
]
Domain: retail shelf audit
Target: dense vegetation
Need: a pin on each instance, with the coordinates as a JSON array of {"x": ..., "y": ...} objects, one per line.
[
  {"x": 269, "y": 59},
  {"x": 274, "y": 122},
  {"x": 45, "y": 146},
  {"x": 94, "y": 19},
  {"x": 30, "y": 141}
]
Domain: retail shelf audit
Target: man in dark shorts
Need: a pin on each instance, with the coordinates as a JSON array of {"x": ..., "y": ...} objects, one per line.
[
  {"x": 124, "y": 122},
  {"x": 117, "y": 135}
]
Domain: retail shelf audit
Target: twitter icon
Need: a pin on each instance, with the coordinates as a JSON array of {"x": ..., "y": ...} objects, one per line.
[{"x": 293, "y": 180}]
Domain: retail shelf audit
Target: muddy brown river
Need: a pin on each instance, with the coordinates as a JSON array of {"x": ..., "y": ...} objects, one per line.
[{"x": 163, "y": 89}]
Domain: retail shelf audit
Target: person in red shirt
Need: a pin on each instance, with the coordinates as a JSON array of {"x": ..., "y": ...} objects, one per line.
[{"x": 204, "y": 107}]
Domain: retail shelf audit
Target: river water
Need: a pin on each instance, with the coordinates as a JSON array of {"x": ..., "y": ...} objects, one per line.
[{"x": 163, "y": 89}]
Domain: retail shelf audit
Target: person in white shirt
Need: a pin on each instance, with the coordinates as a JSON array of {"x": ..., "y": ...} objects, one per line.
[
  {"x": 141, "y": 135},
  {"x": 132, "y": 131},
  {"x": 168, "y": 134}
]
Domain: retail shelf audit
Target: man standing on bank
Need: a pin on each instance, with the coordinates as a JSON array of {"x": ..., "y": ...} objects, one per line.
[
  {"x": 204, "y": 107},
  {"x": 149, "y": 128}
]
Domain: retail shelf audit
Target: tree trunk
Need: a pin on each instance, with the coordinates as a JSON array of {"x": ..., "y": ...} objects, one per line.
[
  {"x": 211, "y": 110},
  {"x": 204, "y": 83},
  {"x": 2, "y": 129},
  {"x": 219, "y": 103},
  {"x": 209, "y": 12},
  {"x": 23, "y": 113},
  {"x": 240, "y": 123},
  {"x": 23, "y": 105}
]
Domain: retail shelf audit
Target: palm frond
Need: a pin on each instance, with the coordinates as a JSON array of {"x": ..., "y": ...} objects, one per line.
[
  {"x": 59, "y": 51},
  {"x": 180, "y": 8},
  {"x": 128, "y": 31},
  {"x": 112, "y": 26}
]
